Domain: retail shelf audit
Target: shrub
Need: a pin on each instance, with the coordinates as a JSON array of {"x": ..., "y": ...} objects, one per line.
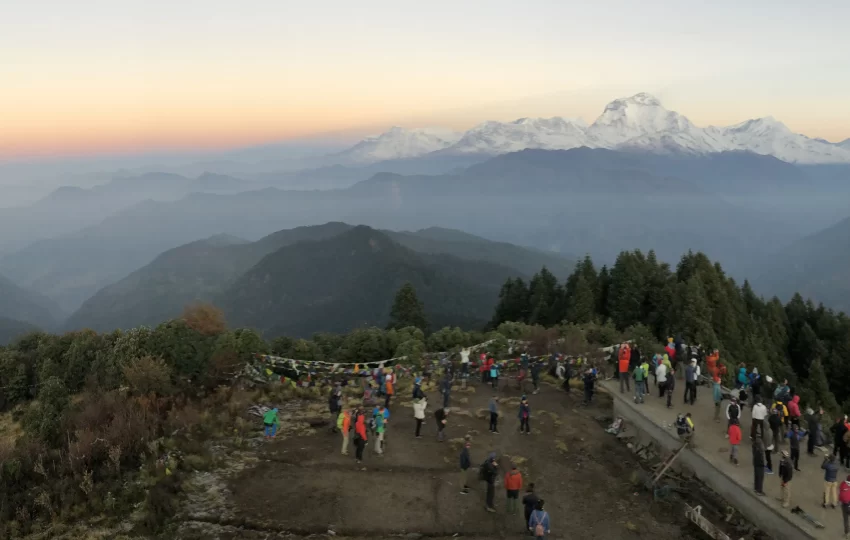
[{"x": 148, "y": 375}]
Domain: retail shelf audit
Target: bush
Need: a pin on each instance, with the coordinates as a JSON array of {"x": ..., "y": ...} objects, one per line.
[{"x": 148, "y": 375}]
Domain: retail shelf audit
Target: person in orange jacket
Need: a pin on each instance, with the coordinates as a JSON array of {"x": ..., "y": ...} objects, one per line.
[
  {"x": 343, "y": 423},
  {"x": 624, "y": 357},
  {"x": 513, "y": 483}
]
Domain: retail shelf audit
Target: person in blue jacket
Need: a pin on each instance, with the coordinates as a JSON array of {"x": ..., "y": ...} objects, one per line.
[
  {"x": 538, "y": 523},
  {"x": 743, "y": 379}
]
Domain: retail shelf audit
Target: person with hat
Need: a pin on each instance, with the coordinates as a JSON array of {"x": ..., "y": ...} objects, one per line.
[
  {"x": 786, "y": 473},
  {"x": 524, "y": 416},
  {"x": 417, "y": 388},
  {"x": 538, "y": 522}
]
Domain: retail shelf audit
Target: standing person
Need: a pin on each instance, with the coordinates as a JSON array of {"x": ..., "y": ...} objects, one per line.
[
  {"x": 538, "y": 522},
  {"x": 493, "y": 407},
  {"x": 389, "y": 387},
  {"x": 494, "y": 374},
  {"x": 483, "y": 368},
  {"x": 734, "y": 440},
  {"x": 844, "y": 499},
  {"x": 839, "y": 429},
  {"x": 691, "y": 382},
  {"x": 335, "y": 405},
  {"x": 535, "y": 375},
  {"x": 794, "y": 411},
  {"x": 343, "y": 423},
  {"x": 717, "y": 395},
  {"x": 758, "y": 414},
  {"x": 441, "y": 416},
  {"x": 813, "y": 425},
  {"x": 755, "y": 383},
  {"x": 524, "y": 416},
  {"x": 624, "y": 356},
  {"x": 733, "y": 412},
  {"x": 360, "y": 437},
  {"x": 446, "y": 389},
  {"x": 786, "y": 473},
  {"x": 671, "y": 385},
  {"x": 794, "y": 437},
  {"x": 513, "y": 483},
  {"x": 639, "y": 376},
  {"x": 661, "y": 378},
  {"x": 417, "y": 388},
  {"x": 465, "y": 464},
  {"x": 270, "y": 423},
  {"x": 380, "y": 428},
  {"x": 589, "y": 382},
  {"x": 529, "y": 502},
  {"x": 464, "y": 367},
  {"x": 758, "y": 466},
  {"x": 775, "y": 423},
  {"x": 488, "y": 473},
  {"x": 830, "y": 481},
  {"x": 419, "y": 407}
]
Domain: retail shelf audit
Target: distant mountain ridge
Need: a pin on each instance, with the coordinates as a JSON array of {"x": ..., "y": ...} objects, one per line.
[
  {"x": 199, "y": 271},
  {"x": 639, "y": 122},
  {"x": 26, "y": 306}
]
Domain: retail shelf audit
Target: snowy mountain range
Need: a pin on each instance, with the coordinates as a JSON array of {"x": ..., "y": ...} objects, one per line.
[{"x": 639, "y": 122}]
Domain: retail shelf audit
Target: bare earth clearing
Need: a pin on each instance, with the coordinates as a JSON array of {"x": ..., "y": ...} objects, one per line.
[{"x": 301, "y": 485}]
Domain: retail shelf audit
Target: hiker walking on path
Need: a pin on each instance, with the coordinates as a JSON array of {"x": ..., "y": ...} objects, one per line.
[
  {"x": 734, "y": 440},
  {"x": 513, "y": 483},
  {"x": 786, "y": 473},
  {"x": 794, "y": 437},
  {"x": 529, "y": 503},
  {"x": 270, "y": 423},
  {"x": 419, "y": 407},
  {"x": 538, "y": 522},
  {"x": 691, "y": 377},
  {"x": 758, "y": 413},
  {"x": 639, "y": 375},
  {"x": 661, "y": 378},
  {"x": 343, "y": 423},
  {"x": 488, "y": 472},
  {"x": 830, "y": 481},
  {"x": 524, "y": 416},
  {"x": 758, "y": 466},
  {"x": 360, "y": 436},
  {"x": 381, "y": 420},
  {"x": 465, "y": 464},
  {"x": 671, "y": 385},
  {"x": 624, "y": 356},
  {"x": 441, "y": 416}
]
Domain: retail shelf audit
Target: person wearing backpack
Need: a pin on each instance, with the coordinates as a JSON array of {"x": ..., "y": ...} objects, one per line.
[
  {"x": 775, "y": 423},
  {"x": 538, "y": 522}
]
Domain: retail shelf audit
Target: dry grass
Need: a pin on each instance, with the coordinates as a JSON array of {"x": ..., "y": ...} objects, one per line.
[
  {"x": 561, "y": 446},
  {"x": 10, "y": 431}
]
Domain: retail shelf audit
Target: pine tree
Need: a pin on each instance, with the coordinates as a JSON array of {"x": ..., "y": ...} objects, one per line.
[
  {"x": 544, "y": 298},
  {"x": 581, "y": 305},
  {"x": 514, "y": 303},
  {"x": 818, "y": 386},
  {"x": 407, "y": 310},
  {"x": 627, "y": 290}
]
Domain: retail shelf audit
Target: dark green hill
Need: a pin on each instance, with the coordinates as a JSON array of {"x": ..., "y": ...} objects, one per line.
[
  {"x": 349, "y": 281},
  {"x": 191, "y": 272},
  {"x": 23, "y": 305}
]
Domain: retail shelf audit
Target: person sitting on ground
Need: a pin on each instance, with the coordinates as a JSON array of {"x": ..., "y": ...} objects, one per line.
[{"x": 538, "y": 522}]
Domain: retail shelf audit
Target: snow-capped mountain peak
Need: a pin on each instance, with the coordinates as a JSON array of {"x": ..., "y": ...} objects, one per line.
[
  {"x": 400, "y": 143},
  {"x": 638, "y": 122}
]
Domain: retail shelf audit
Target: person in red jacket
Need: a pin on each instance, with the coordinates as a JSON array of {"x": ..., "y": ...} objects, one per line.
[
  {"x": 734, "y": 440},
  {"x": 513, "y": 483},
  {"x": 360, "y": 436},
  {"x": 794, "y": 411},
  {"x": 623, "y": 358},
  {"x": 844, "y": 499}
]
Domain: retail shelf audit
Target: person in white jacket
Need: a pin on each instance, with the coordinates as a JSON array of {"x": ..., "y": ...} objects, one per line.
[
  {"x": 419, "y": 414},
  {"x": 661, "y": 378},
  {"x": 759, "y": 413}
]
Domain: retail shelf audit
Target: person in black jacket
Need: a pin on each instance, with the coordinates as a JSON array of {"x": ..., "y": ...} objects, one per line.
[
  {"x": 465, "y": 463},
  {"x": 786, "y": 473},
  {"x": 489, "y": 472},
  {"x": 441, "y": 416},
  {"x": 529, "y": 502},
  {"x": 813, "y": 423},
  {"x": 758, "y": 465}
]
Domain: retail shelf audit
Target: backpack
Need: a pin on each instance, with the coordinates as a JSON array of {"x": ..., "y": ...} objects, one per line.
[{"x": 539, "y": 531}]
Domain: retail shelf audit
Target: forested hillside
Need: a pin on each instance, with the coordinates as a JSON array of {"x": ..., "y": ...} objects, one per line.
[{"x": 698, "y": 302}]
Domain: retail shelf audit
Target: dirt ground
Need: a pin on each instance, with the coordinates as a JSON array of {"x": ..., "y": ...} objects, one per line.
[{"x": 302, "y": 485}]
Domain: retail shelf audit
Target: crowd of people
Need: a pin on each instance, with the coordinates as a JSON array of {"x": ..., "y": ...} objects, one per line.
[{"x": 778, "y": 423}]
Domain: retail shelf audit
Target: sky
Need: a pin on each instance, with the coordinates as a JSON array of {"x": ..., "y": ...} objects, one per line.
[{"x": 117, "y": 76}]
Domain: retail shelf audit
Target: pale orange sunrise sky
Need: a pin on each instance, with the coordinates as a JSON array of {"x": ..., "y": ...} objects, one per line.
[{"x": 96, "y": 77}]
